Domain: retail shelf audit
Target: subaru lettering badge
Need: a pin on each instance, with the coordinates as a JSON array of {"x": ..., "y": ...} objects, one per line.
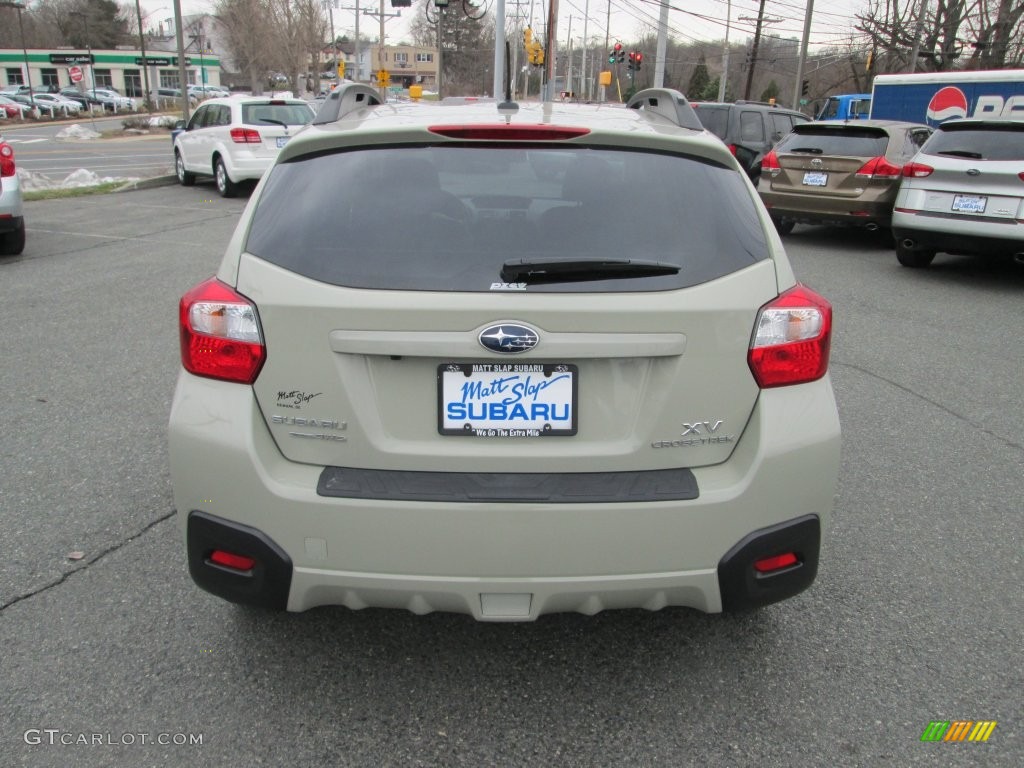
[{"x": 509, "y": 338}]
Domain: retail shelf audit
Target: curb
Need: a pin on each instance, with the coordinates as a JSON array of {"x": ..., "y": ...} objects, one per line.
[{"x": 153, "y": 183}]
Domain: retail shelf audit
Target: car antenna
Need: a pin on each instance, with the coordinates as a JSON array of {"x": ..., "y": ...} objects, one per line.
[{"x": 508, "y": 107}]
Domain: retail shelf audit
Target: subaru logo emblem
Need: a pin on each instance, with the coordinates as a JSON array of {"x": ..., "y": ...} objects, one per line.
[{"x": 509, "y": 338}]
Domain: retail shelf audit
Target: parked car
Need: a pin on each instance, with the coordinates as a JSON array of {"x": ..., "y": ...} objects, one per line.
[
  {"x": 12, "y": 215},
  {"x": 748, "y": 128},
  {"x": 236, "y": 139},
  {"x": 42, "y": 107},
  {"x": 111, "y": 99},
  {"x": 838, "y": 173},
  {"x": 61, "y": 104},
  {"x": 81, "y": 97},
  {"x": 175, "y": 93},
  {"x": 208, "y": 91},
  {"x": 427, "y": 376},
  {"x": 13, "y": 109},
  {"x": 963, "y": 193}
]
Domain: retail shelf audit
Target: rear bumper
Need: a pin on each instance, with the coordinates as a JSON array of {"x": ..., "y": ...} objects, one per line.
[
  {"x": 494, "y": 560},
  {"x": 852, "y": 212},
  {"x": 947, "y": 235}
]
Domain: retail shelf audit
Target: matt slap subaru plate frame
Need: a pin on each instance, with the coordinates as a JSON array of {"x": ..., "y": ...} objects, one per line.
[{"x": 507, "y": 400}]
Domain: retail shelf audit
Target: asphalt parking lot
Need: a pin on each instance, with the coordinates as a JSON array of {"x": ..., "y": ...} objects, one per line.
[{"x": 916, "y": 617}]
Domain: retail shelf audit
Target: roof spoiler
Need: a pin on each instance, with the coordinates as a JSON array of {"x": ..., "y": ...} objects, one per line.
[
  {"x": 669, "y": 103},
  {"x": 344, "y": 99}
]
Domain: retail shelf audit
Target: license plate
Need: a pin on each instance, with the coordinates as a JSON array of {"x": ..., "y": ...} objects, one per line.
[
  {"x": 815, "y": 179},
  {"x": 282, "y": 140},
  {"x": 507, "y": 400},
  {"x": 969, "y": 203}
]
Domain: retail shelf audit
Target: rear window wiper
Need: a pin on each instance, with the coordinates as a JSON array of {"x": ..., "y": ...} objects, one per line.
[
  {"x": 962, "y": 153},
  {"x": 580, "y": 270},
  {"x": 282, "y": 123}
]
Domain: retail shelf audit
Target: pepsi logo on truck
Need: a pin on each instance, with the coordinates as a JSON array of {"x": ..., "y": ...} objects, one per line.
[{"x": 934, "y": 97}]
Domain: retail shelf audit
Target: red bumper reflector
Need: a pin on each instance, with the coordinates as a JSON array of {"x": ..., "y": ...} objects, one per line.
[
  {"x": 230, "y": 560},
  {"x": 776, "y": 563}
]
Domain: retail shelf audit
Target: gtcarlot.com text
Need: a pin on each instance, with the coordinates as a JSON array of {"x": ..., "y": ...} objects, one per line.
[{"x": 58, "y": 737}]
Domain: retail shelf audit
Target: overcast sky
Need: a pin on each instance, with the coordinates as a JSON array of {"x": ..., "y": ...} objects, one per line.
[{"x": 692, "y": 20}]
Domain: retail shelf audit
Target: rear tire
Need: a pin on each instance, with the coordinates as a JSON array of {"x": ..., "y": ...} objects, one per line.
[
  {"x": 13, "y": 243},
  {"x": 913, "y": 259},
  {"x": 783, "y": 226},
  {"x": 225, "y": 185},
  {"x": 185, "y": 178}
]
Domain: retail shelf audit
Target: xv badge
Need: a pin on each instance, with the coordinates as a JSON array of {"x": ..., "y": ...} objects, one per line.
[{"x": 695, "y": 427}]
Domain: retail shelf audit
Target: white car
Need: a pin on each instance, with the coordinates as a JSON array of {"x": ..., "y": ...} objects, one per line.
[
  {"x": 236, "y": 139},
  {"x": 12, "y": 215},
  {"x": 61, "y": 104}
]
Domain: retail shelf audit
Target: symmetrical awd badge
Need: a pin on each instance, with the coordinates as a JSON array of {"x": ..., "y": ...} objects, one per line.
[{"x": 509, "y": 338}]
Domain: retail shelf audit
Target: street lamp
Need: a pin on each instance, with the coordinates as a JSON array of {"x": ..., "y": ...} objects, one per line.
[{"x": 19, "y": 7}]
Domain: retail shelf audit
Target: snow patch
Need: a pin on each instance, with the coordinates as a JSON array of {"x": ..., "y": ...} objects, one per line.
[
  {"x": 33, "y": 182},
  {"x": 76, "y": 131}
]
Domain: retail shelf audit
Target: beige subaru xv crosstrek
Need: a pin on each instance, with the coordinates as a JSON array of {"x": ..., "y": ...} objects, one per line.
[{"x": 504, "y": 360}]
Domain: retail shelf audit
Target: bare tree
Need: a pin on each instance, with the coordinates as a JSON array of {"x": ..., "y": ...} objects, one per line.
[{"x": 249, "y": 34}]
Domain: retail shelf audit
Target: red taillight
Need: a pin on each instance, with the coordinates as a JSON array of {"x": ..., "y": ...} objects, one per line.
[
  {"x": 792, "y": 338},
  {"x": 1021, "y": 175},
  {"x": 503, "y": 132},
  {"x": 6, "y": 159},
  {"x": 770, "y": 163},
  {"x": 732, "y": 148},
  {"x": 246, "y": 136},
  {"x": 919, "y": 170},
  {"x": 220, "y": 334},
  {"x": 231, "y": 560},
  {"x": 776, "y": 563},
  {"x": 879, "y": 168}
]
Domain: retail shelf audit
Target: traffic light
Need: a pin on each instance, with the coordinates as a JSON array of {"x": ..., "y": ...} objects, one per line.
[
  {"x": 527, "y": 38},
  {"x": 638, "y": 61},
  {"x": 632, "y": 60},
  {"x": 617, "y": 54},
  {"x": 805, "y": 87},
  {"x": 612, "y": 58}
]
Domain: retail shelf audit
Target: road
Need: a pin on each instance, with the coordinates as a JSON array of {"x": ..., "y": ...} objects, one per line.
[
  {"x": 39, "y": 150},
  {"x": 917, "y": 614}
]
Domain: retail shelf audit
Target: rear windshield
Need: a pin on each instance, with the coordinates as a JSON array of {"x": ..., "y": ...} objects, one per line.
[
  {"x": 264, "y": 114},
  {"x": 714, "y": 119},
  {"x": 448, "y": 218},
  {"x": 978, "y": 142},
  {"x": 821, "y": 140}
]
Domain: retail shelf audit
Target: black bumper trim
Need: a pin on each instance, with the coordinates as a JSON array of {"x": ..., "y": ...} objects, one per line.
[
  {"x": 742, "y": 587},
  {"x": 268, "y": 583},
  {"x": 509, "y": 487}
]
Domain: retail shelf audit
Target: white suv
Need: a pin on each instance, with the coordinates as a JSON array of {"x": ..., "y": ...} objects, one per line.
[
  {"x": 12, "y": 217},
  {"x": 504, "y": 360},
  {"x": 235, "y": 139}
]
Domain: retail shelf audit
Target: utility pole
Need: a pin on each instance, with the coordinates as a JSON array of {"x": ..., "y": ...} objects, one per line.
[
  {"x": 798, "y": 86},
  {"x": 382, "y": 16},
  {"x": 552, "y": 47},
  {"x": 723, "y": 81},
  {"x": 753, "y": 51},
  {"x": 659, "y": 58},
  {"x": 918, "y": 30}
]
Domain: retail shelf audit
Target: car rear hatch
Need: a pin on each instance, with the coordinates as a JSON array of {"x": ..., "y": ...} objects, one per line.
[
  {"x": 499, "y": 309},
  {"x": 837, "y": 161},
  {"x": 269, "y": 125},
  {"x": 970, "y": 171}
]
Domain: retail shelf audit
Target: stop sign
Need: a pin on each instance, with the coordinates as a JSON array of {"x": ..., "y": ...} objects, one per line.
[{"x": 75, "y": 73}]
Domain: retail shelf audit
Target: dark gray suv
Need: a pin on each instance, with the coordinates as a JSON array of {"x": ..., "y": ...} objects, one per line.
[{"x": 749, "y": 128}]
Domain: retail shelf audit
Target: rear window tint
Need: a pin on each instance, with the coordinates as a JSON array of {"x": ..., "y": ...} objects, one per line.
[
  {"x": 859, "y": 142},
  {"x": 984, "y": 143},
  {"x": 268, "y": 114},
  {"x": 447, "y": 218}
]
